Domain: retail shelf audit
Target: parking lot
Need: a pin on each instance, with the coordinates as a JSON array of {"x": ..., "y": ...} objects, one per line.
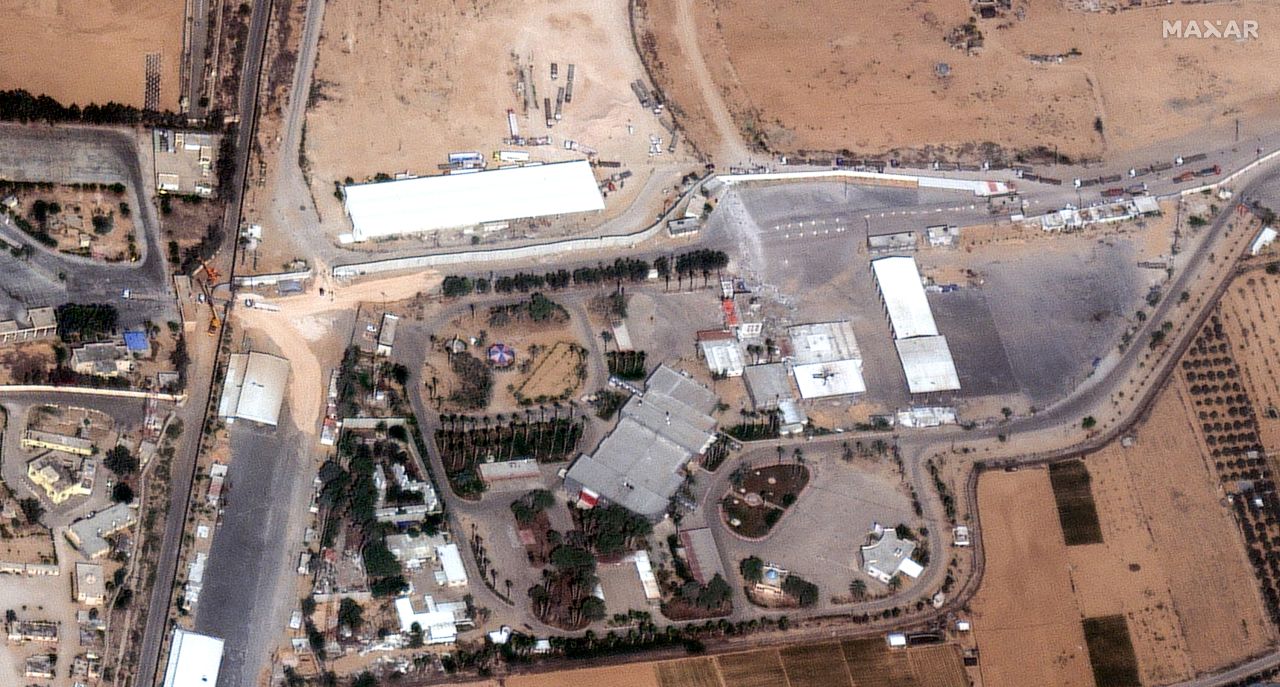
[{"x": 818, "y": 538}]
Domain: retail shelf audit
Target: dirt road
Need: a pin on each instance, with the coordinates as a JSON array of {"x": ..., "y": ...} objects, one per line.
[{"x": 730, "y": 148}]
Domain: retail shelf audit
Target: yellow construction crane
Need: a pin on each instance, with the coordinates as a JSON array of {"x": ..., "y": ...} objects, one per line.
[{"x": 215, "y": 322}]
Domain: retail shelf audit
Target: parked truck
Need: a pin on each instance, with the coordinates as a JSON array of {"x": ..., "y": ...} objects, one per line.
[
  {"x": 1185, "y": 176},
  {"x": 1114, "y": 192},
  {"x": 1210, "y": 171}
]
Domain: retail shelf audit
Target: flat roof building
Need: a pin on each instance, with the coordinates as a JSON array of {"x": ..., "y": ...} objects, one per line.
[
  {"x": 640, "y": 464},
  {"x": 89, "y": 534},
  {"x": 888, "y": 556},
  {"x": 425, "y": 204},
  {"x": 254, "y": 388},
  {"x": 90, "y": 587},
  {"x": 723, "y": 353},
  {"x": 767, "y": 385},
  {"x": 702, "y": 554},
  {"x": 194, "y": 660},
  {"x": 927, "y": 363},
  {"x": 455, "y": 575},
  {"x": 826, "y": 360}
]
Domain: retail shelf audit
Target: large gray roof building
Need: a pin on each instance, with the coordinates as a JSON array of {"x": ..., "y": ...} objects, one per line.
[{"x": 640, "y": 464}]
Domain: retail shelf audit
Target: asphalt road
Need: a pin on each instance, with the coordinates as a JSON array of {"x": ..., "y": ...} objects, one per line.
[
  {"x": 247, "y": 595},
  {"x": 162, "y": 596},
  {"x": 198, "y": 27}
]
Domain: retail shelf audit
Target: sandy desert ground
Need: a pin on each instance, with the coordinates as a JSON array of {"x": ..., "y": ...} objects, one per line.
[
  {"x": 831, "y": 77},
  {"x": 83, "y": 51},
  {"x": 421, "y": 80}
]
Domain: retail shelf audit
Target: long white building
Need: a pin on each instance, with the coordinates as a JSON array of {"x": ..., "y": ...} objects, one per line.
[
  {"x": 924, "y": 353},
  {"x": 904, "y": 298},
  {"x": 426, "y": 204}
]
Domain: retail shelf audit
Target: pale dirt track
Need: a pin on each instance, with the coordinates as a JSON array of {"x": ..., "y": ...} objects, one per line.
[
  {"x": 730, "y": 148},
  {"x": 303, "y": 334}
]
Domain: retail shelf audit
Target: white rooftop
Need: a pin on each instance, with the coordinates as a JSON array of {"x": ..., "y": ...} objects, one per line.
[
  {"x": 927, "y": 362},
  {"x": 724, "y": 356},
  {"x": 903, "y": 293},
  {"x": 254, "y": 387},
  {"x": 425, "y": 204},
  {"x": 451, "y": 563},
  {"x": 437, "y": 626},
  {"x": 823, "y": 342},
  {"x": 194, "y": 660},
  {"x": 820, "y": 380}
]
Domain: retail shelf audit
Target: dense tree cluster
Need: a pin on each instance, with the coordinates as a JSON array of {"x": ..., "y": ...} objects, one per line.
[
  {"x": 687, "y": 265},
  {"x": 78, "y": 322},
  {"x": 20, "y": 105}
]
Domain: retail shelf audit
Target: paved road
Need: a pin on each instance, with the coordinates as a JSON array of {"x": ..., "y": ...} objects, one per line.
[
  {"x": 198, "y": 28},
  {"x": 162, "y": 596}
]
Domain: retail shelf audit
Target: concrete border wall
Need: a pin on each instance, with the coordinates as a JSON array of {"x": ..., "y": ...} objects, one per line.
[{"x": 271, "y": 279}]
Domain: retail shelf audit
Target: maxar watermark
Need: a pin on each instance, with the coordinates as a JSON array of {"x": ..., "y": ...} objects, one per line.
[{"x": 1231, "y": 29}]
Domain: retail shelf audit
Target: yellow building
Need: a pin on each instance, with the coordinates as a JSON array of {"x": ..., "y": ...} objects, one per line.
[
  {"x": 34, "y": 438},
  {"x": 58, "y": 480}
]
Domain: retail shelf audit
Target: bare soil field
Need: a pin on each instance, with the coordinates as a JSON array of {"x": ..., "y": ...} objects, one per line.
[
  {"x": 868, "y": 663},
  {"x": 435, "y": 78},
  {"x": 1160, "y": 507},
  {"x": 553, "y": 373},
  {"x": 1170, "y": 563},
  {"x": 1026, "y": 621},
  {"x": 830, "y": 76},
  {"x": 49, "y": 47},
  {"x": 534, "y": 373},
  {"x": 638, "y": 675}
]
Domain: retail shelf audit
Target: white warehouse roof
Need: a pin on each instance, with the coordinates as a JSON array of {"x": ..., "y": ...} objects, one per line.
[
  {"x": 927, "y": 362},
  {"x": 254, "y": 388},
  {"x": 903, "y": 294},
  {"x": 394, "y": 208},
  {"x": 194, "y": 660}
]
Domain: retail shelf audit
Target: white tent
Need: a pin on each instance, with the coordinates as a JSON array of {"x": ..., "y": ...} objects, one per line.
[
  {"x": 395, "y": 208},
  {"x": 194, "y": 660},
  {"x": 254, "y": 388}
]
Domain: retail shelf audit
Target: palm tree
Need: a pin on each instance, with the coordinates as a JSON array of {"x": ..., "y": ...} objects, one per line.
[
  {"x": 858, "y": 590},
  {"x": 895, "y": 583},
  {"x": 508, "y": 584}
]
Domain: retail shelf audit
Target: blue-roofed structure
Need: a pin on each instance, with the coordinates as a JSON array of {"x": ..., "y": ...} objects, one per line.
[{"x": 137, "y": 342}]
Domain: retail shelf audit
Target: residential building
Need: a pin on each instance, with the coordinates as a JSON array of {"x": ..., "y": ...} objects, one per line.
[
  {"x": 387, "y": 334},
  {"x": 452, "y": 573},
  {"x": 887, "y": 555},
  {"x": 106, "y": 359},
  {"x": 34, "y": 438},
  {"x": 59, "y": 479}
]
